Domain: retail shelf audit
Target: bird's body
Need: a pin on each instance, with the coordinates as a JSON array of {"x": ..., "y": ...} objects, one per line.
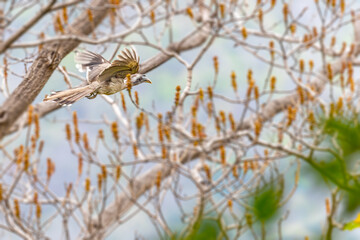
[{"x": 102, "y": 76}]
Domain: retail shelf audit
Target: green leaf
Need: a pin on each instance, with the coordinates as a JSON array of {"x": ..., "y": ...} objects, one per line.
[{"x": 353, "y": 224}]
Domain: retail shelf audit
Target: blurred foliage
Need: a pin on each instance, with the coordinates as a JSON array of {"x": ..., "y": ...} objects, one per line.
[
  {"x": 265, "y": 203},
  {"x": 353, "y": 224},
  {"x": 337, "y": 166},
  {"x": 202, "y": 229}
]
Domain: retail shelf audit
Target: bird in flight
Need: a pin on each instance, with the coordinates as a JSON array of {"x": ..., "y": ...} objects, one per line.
[{"x": 102, "y": 76}]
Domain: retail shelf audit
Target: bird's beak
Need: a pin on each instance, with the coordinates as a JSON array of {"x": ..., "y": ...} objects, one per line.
[{"x": 147, "y": 80}]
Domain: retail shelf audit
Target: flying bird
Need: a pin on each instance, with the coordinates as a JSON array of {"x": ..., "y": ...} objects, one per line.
[{"x": 102, "y": 76}]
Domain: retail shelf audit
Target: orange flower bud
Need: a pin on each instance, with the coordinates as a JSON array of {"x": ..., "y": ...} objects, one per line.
[
  {"x": 86, "y": 142},
  {"x": 222, "y": 155},
  {"x": 301, "y": 65},
  {"x": 80, "y": 164},
  {"x": 163, "y": 152},
  {"x": 135, "y": 150},
  {"x": 329, "y": 72},
  {"x": 257, "y": 127},
  {"x": 210, "y": 92},
  {"x": 190, "y": 12},
  {"x": 50, "y": 169},
  {"x": 315, "y": 32},
  {"x": 207, "y": 171},
  {"x": 36, "y": 198},
  {"x": 128, "y": 82},
  {"x": 114, "y": 130},
  {"x": 260, "y": 15},
  {"x": 273, "y": 2},
  {"x": 58, "y": 26},
  {"x": 103, "y": 171},
  {"x": 291, "y": 115},
  {"x": 37, "y": 125},
  {"x": 26, "y": 160},
  {"x": 68, "y": 190},
  {"x": 256, "y": 93},
  {"x": 177, "y": 95},
  {"x": 193, "y": 111},
  {"x": 292, "y": 28},
  {"x": 333, "y": 3},
  {"x": 222, "y": 9},
  {"x": 117, "y": 172},
  {"x": 230, "y": 204},
  {"x": 272, "y": 83},
  {"x": 123, "y": 101},
  {"x": 90, "y": 15},
  {"x": 201, "y": 94},
  {"x": 99, "y": 181},
  {"x": 233, "y": 81},
  {"x": 30, "y": 114},
  {"x": 209, "y": 108},
  {"x": 333, "y": 41},
  {"x": 16, "y": 208},
  {"x": 158, "y": 180},
  {"x": 249, "y": 77},
  {"x": 342, "y": 6},
  {"x": 285, "y": 12},
  {"x": 216, "y": 64},
  {"x": 87, "y": 184},
  {"x": 235, "y": 171},
  {"x": 136, "y": 98},
  {"x": 327, "y": 205},
  {"x": 38, "y": 211},
  {"x": 65, "y": 15},
  {"x": 245, "y": 167},
  {"x": 152, "y": 16},
  {"x": 5, "y": 68},
  {"x": 232, "y": 122},
  {"x": 244, "y": 32},
  {"x": 101, "y": 134},
  {"x": 301, "y": 94},
  {"x": 311, "y": 65},
  {"x": 222, "y": 116}
]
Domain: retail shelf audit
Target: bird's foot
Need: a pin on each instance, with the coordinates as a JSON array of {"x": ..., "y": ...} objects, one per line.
[{"x": 92, "y": 95}]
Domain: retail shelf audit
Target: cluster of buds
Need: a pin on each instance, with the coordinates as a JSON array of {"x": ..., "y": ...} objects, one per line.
[
  {"x": 201, "y": 94},
  {"x": 291, "y": 115},
  {"x": 58, "y": 25},
  {"x": 177, "y": 95},
  {"x": 128, "y": 82}
]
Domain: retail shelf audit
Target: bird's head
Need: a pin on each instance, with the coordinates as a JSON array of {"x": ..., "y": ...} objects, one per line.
[{"x": 139, "y": 78}]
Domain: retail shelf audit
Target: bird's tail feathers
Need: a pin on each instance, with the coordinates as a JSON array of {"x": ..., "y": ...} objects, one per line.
[{"x": 69, "y": 96}]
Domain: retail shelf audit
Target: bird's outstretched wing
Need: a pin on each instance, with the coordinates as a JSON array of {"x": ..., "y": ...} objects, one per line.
[
  {"x": 90, "y": 62},
  {"x": 127, "y": 63}
]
